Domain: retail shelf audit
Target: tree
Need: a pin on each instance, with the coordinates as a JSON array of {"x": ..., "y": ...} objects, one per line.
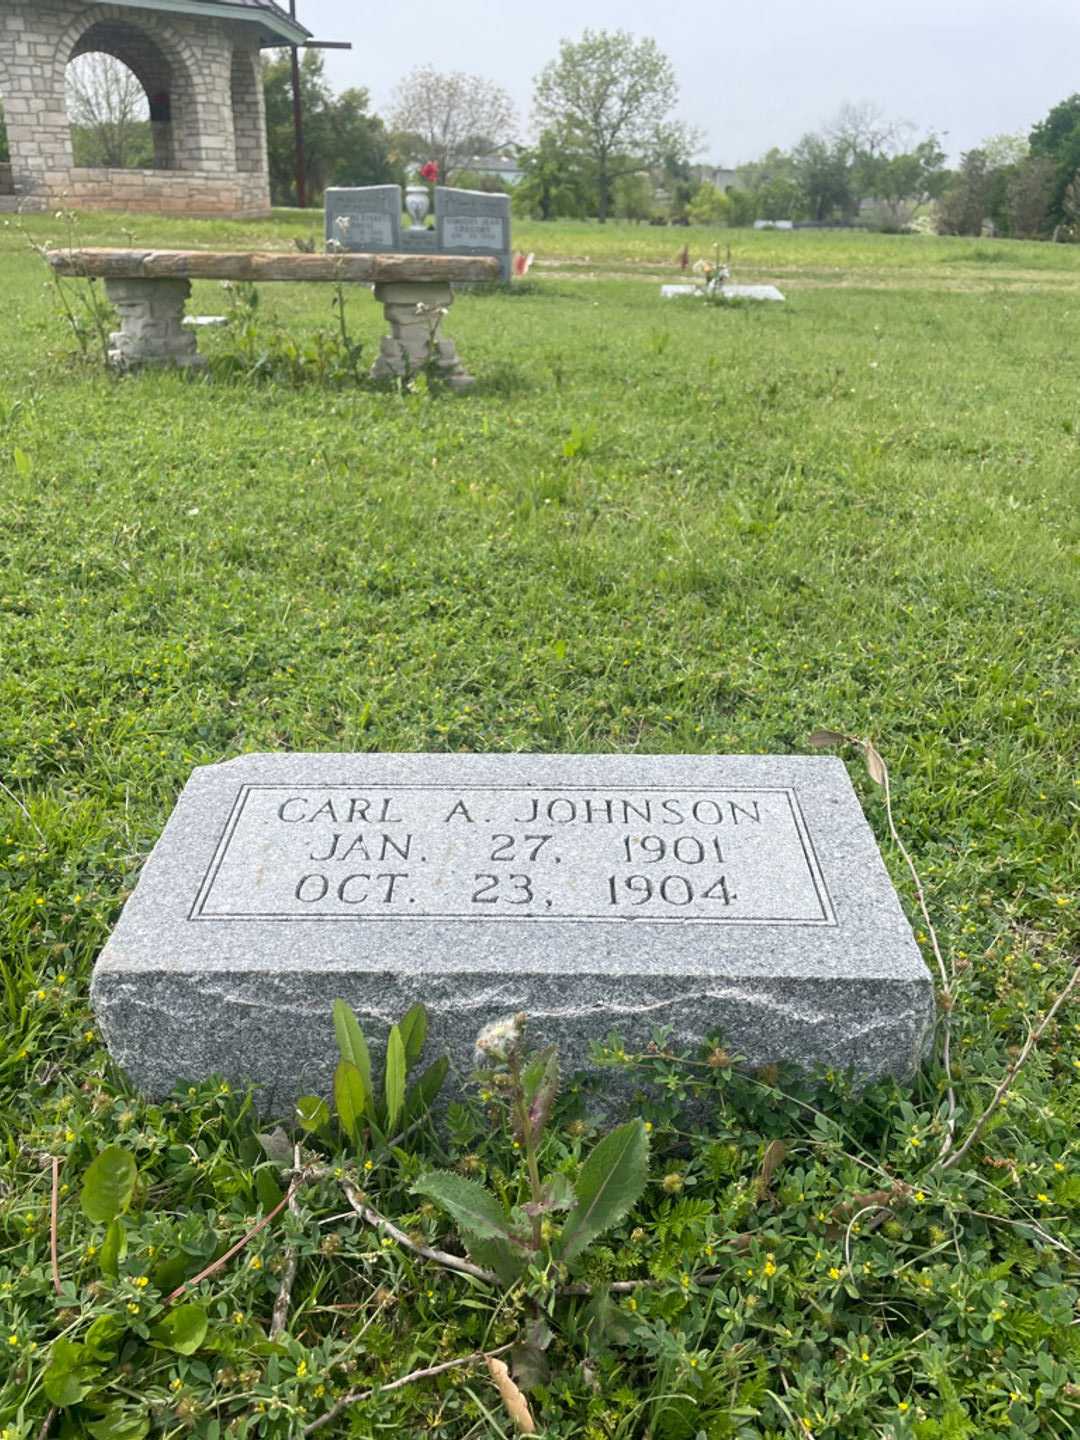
[
  {"x": 1052, "y": 136},
  {"x": 861, "y": 128},
  {"x": 766, "y": 189},
  {"x": 634, "y": 196},
  {"x": 1071, "y": 202},
  {"x": 1004, "y": 150},
  {"x": 780, "y": 198},
  {"x": 775, "y": 164},
  {"x": 964, "y": 205},
  {"x": 477, "y": 180},
  {"x": 608, "y": 98},
  {"x": 823, "y": 170},
  {"x": 1030, "y": 193},
  {"x": 452, "y": 117},
  {"x": 904, "y": 182},
  {"x": 709, "y": 205},
  {"x": 743, "y": 207},
  {"x": 552, "y": 183},
  {"x": 343, "y": 143},
  {"x": 1057, "y": 138},
  {"x": 109, "y": 114}
]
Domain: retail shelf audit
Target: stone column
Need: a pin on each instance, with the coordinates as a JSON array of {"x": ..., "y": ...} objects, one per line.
[
  {"x": 412, "y": 311},
  {"x": 152, "y": 330}
]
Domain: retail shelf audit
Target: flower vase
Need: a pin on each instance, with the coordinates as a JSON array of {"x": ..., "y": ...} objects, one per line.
[{"x": 417, "y": 203}]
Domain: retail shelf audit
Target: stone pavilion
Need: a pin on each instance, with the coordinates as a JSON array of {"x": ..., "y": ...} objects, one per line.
[{"x": 198, "y": 61}]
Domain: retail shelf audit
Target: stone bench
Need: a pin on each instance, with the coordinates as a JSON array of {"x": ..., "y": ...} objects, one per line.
[{"x": 150, "y": 288}]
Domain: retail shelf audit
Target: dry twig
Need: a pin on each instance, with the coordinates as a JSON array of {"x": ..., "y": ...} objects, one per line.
[
  {"x": 440, "y": 1257},
  {"x": 879, "y": 773},
  {"x": 356, "y": 1396},
  {"x": 223, "y": 1260},
  {"x": 947, "y": 1162},
  {"x": 54, "y": 1217},
  {"x": 288, "y": 1275}
]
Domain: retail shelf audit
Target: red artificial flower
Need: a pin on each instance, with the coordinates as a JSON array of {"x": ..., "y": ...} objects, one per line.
[{"x": 430, "y": 172}]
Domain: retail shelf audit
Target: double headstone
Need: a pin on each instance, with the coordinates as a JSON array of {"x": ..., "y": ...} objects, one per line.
[
  {"x": 732, "y": 896},
  {"x": 467, "y": 222}
]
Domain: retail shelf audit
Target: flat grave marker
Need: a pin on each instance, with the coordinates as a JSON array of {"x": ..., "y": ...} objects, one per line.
[{"x": 735, "y": 894}]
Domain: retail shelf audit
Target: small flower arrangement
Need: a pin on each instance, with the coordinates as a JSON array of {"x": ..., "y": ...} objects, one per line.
[
  {"x": 429, "y": 172},
  {"x": 713, "y": 272}
]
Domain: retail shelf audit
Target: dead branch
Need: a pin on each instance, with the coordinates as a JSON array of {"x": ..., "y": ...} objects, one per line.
[
  {"x": 879, "y": 773},
  {"x": 440, "y": 1257},
  {"x": 288, "y": 1274},
  {"x": 54, "y": 1217},
  {"x": 220, "y": 1263},
  {"x": 356, "y": 1396},
  {"x": 1010, "y": 1075}
]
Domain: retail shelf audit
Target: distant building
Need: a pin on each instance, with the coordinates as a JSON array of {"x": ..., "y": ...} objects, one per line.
[
  {"x": 500, "y": 167},
  {"x": 718, "y": 175},
  {"x": 197, "y": 61}
]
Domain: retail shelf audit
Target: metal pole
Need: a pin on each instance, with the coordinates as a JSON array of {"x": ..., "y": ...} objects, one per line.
[{"x": 298, "y": 122}]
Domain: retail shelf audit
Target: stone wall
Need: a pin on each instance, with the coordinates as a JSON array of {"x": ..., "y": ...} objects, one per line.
[{"x": 201, "y": 77}]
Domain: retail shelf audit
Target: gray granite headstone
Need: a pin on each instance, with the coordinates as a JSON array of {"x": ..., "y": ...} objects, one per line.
[
  {"x": 367, "y": 218},
  {"x": 364, "y": 218},
  {"x": 473, "y": 222},
  {"x": 741, "y": 895}
]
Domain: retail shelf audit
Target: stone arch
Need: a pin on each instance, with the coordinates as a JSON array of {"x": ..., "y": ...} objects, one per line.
[
  {"x": 165, "y": 66},
  {"x": 249, "y": 118},
  {"x": 7, "y": 186},
  {"x": 138, "y": 82}
]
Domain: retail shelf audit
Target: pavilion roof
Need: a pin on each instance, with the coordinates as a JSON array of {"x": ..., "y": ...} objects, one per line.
[{"x": 274, "y": 22}]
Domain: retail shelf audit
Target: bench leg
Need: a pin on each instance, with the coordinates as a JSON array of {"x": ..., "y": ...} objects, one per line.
[
  {"x": 152, "y": 331},
  {"x": 411, "y": 310}
]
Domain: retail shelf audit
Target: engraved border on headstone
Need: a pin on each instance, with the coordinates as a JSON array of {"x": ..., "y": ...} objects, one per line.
[
  {"x": 702, "y": 809},
  {"x": 364, "y": 218}
]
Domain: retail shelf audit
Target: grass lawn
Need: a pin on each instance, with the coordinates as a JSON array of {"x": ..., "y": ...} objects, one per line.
[{"x": 653, "y": 526}]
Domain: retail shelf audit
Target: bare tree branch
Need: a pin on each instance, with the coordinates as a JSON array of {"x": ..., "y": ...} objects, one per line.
[
  {"x": 106, "y": 102},
  {"x": 452, "y": 117}
]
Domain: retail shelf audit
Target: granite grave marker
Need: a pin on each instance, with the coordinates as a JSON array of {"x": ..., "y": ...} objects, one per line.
[
  {"x": 473, "y": 222},
  {"x": 364, "y": 218},
  {"x": 467, "y": 222},
  {"x": 734, "y": 894}
]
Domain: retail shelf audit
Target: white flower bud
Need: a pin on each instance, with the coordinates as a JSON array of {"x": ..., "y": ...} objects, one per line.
[{"x": 500, "y": 1041}]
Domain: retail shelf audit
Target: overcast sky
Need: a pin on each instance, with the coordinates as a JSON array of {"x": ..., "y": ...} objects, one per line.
[{"x": 754, "y": 75}]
